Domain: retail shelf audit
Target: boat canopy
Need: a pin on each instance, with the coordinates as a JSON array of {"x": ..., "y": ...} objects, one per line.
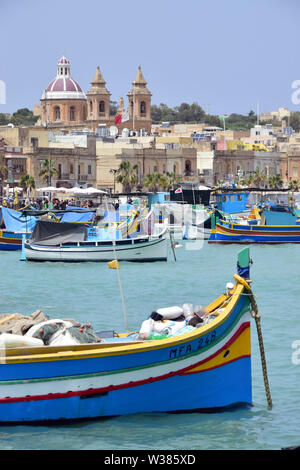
[
  {"x": 52, "y": 233},
  {"x": 16, "y": 221},
  {"x": 77, "y": 214}
]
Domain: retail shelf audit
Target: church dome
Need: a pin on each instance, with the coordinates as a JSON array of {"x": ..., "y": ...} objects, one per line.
[{"x": 63, "y": 86}]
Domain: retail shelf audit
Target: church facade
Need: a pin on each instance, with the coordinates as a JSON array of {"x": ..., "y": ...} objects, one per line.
[{"x": 65, "y": 105}]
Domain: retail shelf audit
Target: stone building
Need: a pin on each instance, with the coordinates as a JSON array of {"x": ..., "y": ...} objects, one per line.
[
  {"x": 98, "y": 98},
  {"x": 16, "y": 163},
  {"x": 65, "y": 105},
  {"x": 63, "y": 101},
  {"x": 75, "y": 164},
  {"x": 148, "y": 158},
  {"x": 230, "y": 164}
]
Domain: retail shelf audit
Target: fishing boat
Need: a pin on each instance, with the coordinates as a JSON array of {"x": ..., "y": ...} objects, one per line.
[
  {"x": 51, "y": 241},
  {"x": 14, "y": 224},
  {"x": 207, "y": 368},
  {"x": 232, "y": 201},
  {"x": 252, "y": 218},
  {"x": 227, "y": 232}
]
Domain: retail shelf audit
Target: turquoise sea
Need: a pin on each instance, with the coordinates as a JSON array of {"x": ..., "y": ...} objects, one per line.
[{"x": 89, "y": 292}]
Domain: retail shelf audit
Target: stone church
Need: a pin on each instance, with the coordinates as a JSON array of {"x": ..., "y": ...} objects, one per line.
[{"x": 65, "y": 105}]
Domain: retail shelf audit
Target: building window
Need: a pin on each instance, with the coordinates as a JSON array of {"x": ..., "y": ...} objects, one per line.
[
  {"x": 174, "y": 169},
  {"x": 78, "y": 169},
  {"x": 101, "y": 107},
  {"x": 89, "y": 169},
  {"x": 34, "y": 142},
  {"x": 72, "y": 113},
  {"x": 71, "y": 169},
  {"x": 188, "y": 168},
  {"x": 295, "y": 172},
  {"x": 164, "y": 169},
  {"x": 91, "y": 106},
  {"x": 57, "y": 113},
  {"x": 155, "y": 169},
  {"x": 143, "y": 107}
]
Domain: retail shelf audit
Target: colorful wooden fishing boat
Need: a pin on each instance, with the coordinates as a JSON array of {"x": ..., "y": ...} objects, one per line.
[
  {"x": 14, "y": 225},
  {"x": 227, "y": 232},
  {"x": 205, "y": 369},
  {"x": 51, "y": 241},
  {"x": 10, "y": 240}
]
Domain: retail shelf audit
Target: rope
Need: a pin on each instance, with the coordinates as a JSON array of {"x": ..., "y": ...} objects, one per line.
[{"x": 257, "y": 316}]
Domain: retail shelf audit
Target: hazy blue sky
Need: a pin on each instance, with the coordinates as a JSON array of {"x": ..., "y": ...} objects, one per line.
[{"x": 224, "y": 55}]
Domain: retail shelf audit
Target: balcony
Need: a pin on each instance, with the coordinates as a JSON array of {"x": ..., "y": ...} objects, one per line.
[
  {"x": 63, "y": 176},
  {"x": 82, "y": 178}
]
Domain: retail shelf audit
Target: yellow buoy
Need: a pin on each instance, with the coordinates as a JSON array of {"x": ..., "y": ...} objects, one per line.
[{"x": 113, "y": 264}]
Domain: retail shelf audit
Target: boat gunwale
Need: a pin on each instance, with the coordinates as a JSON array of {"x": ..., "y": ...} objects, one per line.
[
  {"x": 93, "y": 350},
  {"x": 252, "y": 228}
]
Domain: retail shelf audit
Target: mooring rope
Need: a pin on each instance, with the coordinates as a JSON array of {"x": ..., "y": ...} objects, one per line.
[{"x": 257, "y": 316}]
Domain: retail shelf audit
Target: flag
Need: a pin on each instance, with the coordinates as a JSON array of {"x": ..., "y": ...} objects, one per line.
[
  {"x": 125, "y": 116},
  {"x": 178, "y": 191},
  {"x": 118, "y": 118}
]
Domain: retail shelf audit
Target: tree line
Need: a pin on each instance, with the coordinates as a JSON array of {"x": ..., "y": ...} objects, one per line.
[
  {"x": 194, "y": 113},
  {"x": 22, "y": 117}
]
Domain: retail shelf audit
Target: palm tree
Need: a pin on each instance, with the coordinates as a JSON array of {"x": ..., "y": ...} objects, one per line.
[
  {"x": 128, "y": 175},
  {"x": 259, "y": 178},
  {"x": 153, "y": 181},
  {"x": 171, "y": 179},
  {"x": 294, "y": 185},
  {"x": 275, "y": 182},
  {"x": 27, "y": 182},
  {"x": 47, "y": 170}
]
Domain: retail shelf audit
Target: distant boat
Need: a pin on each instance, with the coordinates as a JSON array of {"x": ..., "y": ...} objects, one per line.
[
  {"x": 51, "y": 241},
  {"x": 203, "y": 368},
  {"x": 15, "y": 224},
  {"x": 227, "y": 232},
  {"x": 232, "y": 202},
  {"x": 280, "y": 214}
]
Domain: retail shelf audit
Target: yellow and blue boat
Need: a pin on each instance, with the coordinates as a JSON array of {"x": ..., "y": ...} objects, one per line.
[
  {"x": 207, "y": 368},
  {"x": 227, "y": 232},
  {"x": 14, "y": 225}
]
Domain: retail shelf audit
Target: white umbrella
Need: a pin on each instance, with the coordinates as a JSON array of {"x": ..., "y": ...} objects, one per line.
[
  {"x": 94, "y": 191},
  {"x": 11, "y": 190},
  {"x": 48, "y": 188},
  {"x": 62, "y": 190},
  {"x": 75, "y": 190}
]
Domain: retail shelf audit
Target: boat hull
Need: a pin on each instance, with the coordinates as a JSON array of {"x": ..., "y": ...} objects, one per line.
[
  {"x": 206, "y": 369},
  {"x": 142, "y": 249},
  {"x": 10, "y": 240},
  {"x": 271, "y": 234}
]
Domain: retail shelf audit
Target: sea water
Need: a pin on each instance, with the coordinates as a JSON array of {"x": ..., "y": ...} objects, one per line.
[{"x": 90, "y": 292}]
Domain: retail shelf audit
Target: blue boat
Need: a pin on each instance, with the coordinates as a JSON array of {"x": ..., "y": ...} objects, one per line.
[
  {"x": 14, "y": 225},
  {"x": 232, "y": 202},
  {"x": 204, "y": 368},
  {"x": 227, "y": 232},
  {"x": 280, "y": 214}
]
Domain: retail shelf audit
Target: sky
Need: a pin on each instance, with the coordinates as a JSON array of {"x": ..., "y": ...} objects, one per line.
[{"x": 229, "y": 56}]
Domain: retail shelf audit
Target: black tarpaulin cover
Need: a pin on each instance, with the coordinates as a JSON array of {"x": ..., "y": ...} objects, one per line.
[{"x": 53, "y": 233}]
